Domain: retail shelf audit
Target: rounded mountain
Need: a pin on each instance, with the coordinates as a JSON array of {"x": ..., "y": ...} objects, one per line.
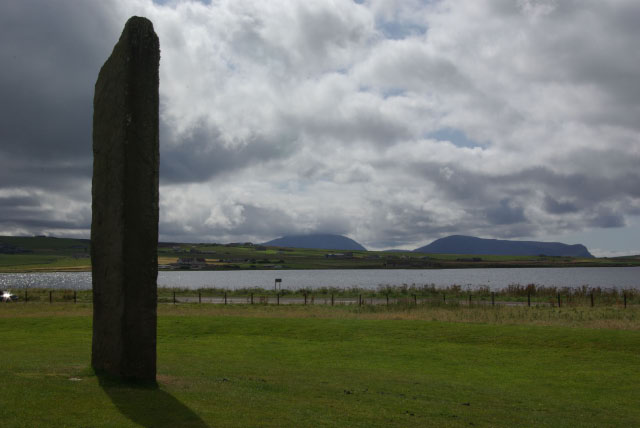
[{"x": 317, "y": 241}]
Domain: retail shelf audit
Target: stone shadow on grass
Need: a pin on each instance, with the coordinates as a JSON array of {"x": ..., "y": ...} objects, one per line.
[{"x": 147, "y": 405}]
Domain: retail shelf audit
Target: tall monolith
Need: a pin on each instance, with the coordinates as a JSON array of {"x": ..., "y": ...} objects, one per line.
[{"x": 124, "y": 228}]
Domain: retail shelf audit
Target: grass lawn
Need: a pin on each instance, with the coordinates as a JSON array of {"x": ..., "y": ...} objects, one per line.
[{"x": 308, "y": 366}]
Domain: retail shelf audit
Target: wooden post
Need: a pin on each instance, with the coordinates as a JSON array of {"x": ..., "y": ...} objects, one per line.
[
  {"x": 529, "y": 299},
  {"x": 387, "y": 299},
  {"x": 360, "y": 300},
  {"x": 415, "y": 299},
  {"x": 277, "y": 298},
  {"x": 559, "y": 302},
  {"x": 50, "y": 296},
  {"x": 199, "y": 297},
  {"x": 624, "y": 295},
  {"x": 444, "y": 297},
  {"x": 592, "y": 298},
  {"x": 305, "y": 298},
  {"x": 331, "y": 299},
  {"x": 469, "y": 299},
  {"x": 493, "y": 298},
  {"x": 25, "y": 295},
  {"x": 74, "y": 297},
  {"x": 252, "y": 298},
  {"x": 225, "y": 297}
]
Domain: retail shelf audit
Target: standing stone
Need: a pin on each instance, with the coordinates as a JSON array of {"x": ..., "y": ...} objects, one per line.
[{"x": 124, "y": 228}]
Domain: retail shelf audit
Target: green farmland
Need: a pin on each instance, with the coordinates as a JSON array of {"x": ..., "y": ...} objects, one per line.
[{"x": 41, "y": 254}]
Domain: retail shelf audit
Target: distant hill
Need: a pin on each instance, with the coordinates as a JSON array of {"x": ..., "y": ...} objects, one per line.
[
  {"x": 458, "y": 244},
  {"x": 317, "y": 241}
]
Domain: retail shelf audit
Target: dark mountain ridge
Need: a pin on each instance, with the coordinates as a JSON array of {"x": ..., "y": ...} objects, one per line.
[
  {"x": 318, "y": 241},
  {"x": 459, "y": 244}
]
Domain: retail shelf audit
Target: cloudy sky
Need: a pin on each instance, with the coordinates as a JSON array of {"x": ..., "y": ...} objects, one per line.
[{"x": 394, "y": 122}]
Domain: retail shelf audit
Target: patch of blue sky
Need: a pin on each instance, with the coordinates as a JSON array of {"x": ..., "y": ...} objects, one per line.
[
  {"x": 393, "y": 92},
  {"x": 396, "y": 30},
  {"x": 163, "y": 2},
  {"x": 454, "y": 136}
]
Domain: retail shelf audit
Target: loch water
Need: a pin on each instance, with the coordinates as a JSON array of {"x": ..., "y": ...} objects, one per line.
[{"x": 496, "y": 278}]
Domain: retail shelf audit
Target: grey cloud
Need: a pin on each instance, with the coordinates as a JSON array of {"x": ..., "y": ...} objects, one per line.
[
  {"x": 553, "y": 206},
  {"x": 402, "y": 225},
  {"x": 30, "y": 212},
  {"x": 364, "y": 125},
  {"x": 48, "y": 71},
  {"x": 498, "y": 204},
  {"x": 506, "y": 212},
  {"x": 584, "y": 189},
  {"x": 607, "y": 218},
  {"x": 258, "y": 224},
  {"x": 18, "y": 202},
  {"x": 592, "y": 44},
  {"x": 322, "y": 29},
  {"x": 42, "y": 223},
  {"x": 201, "y": 154},
  {"x": 318, "y": 39},
  {"x": 53, "y": 174}
]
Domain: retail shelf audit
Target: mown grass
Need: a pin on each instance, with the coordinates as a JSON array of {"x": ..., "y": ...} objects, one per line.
[{"x": 241, "y": 365}]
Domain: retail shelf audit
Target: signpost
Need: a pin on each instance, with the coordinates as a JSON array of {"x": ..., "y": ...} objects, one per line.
[{"x": 278, "y": 284}]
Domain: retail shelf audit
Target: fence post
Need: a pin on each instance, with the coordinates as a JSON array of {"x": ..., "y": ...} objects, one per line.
[
  {"x": 415, "y": 299},
  {"x": 174, "y": 297},
  {"x": 625, "y": 299},
  {"x": 444, "y": 297},
  {"x": 305, "y": 298},
  {"x": 559, "y": 302},
  {"x": 277, "y": 298},
  {"x": 74, "y": 296},
  {"x": 199, "y": 297},
  {"x": 529, "y": 299},
  {"x": 469, "y": 299},
  {"x": 360, "y": 300},
  {"x": 25, "y": 295},
  {"x": 592, "y": 298},
  {"x": 225, "y": 297},
  {"x": 252, "y": 298},
  {"x": 331, "y": 299},
  {"x": 387, "y": 299},
  {"x": 493, "y": 298},
  {"x": 50, "y": 296}
]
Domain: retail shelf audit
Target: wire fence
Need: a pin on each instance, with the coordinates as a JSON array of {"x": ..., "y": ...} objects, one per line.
[{"x": 403, "y": 295}]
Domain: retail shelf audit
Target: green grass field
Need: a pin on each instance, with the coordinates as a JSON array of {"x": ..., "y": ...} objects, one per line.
[{"x": 241, "y": 365}]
